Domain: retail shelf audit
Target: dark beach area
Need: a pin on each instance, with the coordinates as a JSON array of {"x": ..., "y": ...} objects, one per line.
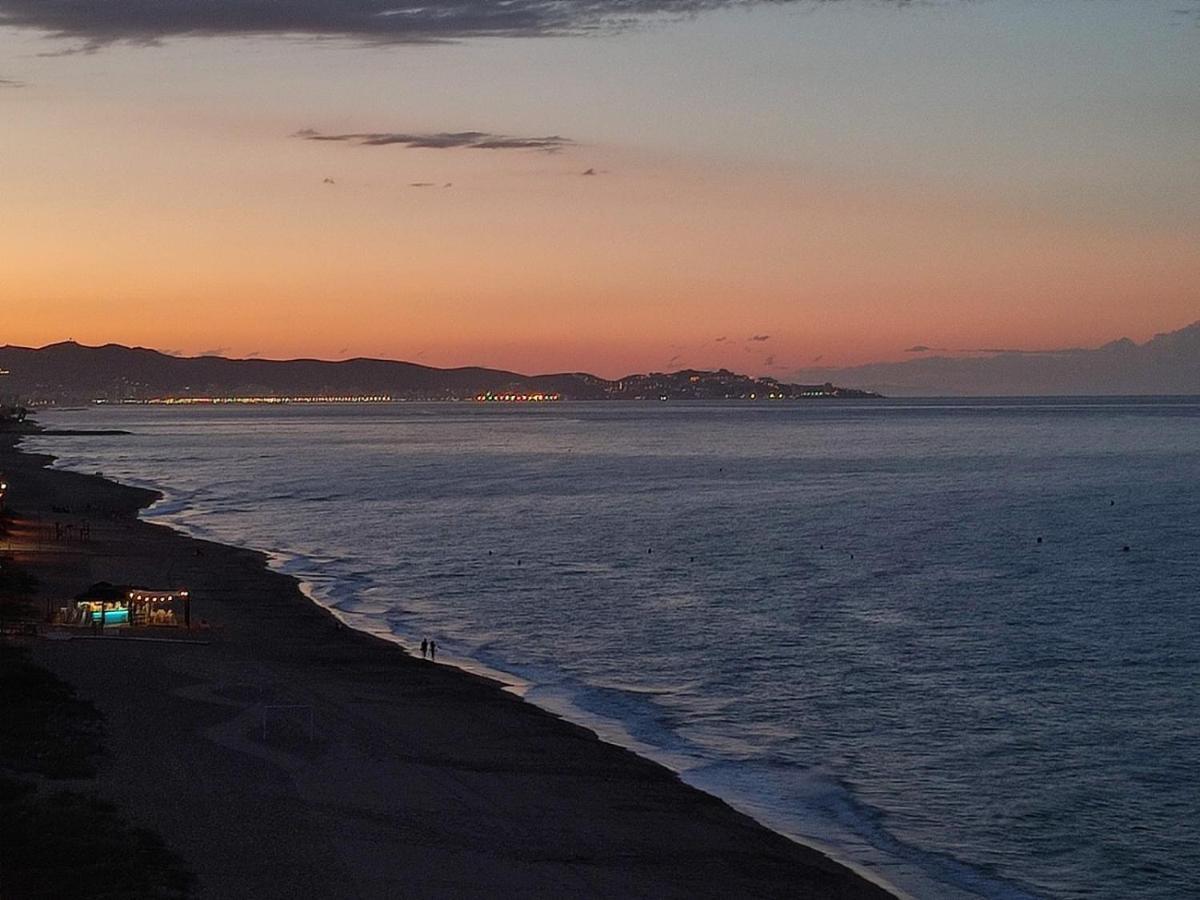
[{"x": 269, "y": 751}]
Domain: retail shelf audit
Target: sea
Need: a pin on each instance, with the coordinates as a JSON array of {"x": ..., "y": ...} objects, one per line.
[{"x": 956, "y": 643}]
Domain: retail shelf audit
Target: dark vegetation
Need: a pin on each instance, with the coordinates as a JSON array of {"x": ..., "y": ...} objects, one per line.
[
  {"x": 47, "y": 730},
  {"x": 65, "y": 843},
  {"x": 16, "y": 590}
]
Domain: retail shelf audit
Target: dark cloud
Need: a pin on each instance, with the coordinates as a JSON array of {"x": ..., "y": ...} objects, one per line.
[
  {"x": 422, "y": 184},
  {"x": 328, "y": 181},
  {"x": 921, "y": 348},
  {"x": 254, "y": 354},
  {"x": 1166, "y": 364},
  {"x": 722, "y": 339},
  {"x": 97, "y": 23},
  {"x": 1010, "y": 352},
  {"x": 445, "y": 140},
  {"x": 770, "y": 360},
  {"x": 759, "y": 338},
  {"x": 11, "y": 83},
  {"x": 588, "y": 172}
]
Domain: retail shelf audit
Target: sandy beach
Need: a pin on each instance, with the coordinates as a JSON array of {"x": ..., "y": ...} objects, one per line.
[{"x": 280, "y": 754}]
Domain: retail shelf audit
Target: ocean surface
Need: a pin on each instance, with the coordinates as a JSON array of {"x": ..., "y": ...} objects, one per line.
[{"x": 957, "y": 642}]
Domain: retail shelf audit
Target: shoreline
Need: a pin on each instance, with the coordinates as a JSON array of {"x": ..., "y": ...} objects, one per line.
[
  {"x": 606, "y": 824},
  {"x": 607, "y": 730}
]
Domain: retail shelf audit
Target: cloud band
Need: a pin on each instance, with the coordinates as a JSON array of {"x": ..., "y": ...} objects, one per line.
[
  {"x": 446, "y": 140},
  {"x": 100, "y": 22}
]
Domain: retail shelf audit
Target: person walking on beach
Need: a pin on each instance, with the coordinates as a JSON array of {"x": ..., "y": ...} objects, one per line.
[
  {"x": 433, "y": 651},
  {"x": 424, "y": 647}
]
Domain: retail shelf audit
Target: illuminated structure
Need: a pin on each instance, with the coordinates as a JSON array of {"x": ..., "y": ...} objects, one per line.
[
  {"x": 138, "y": 608},
  {"x": 159, "y": 607},
  {"x": 3, "y": 491}
]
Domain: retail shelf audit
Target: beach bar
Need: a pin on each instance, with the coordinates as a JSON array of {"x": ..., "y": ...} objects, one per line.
[
  {"x": 160, "y": 608},
  {"x": 138, "y": 607}
]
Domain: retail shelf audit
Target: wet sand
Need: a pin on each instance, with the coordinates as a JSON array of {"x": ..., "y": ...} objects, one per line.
[{"x": 416, "y": 780}]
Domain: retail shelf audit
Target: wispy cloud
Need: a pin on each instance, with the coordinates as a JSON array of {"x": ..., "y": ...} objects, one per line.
[
  {"x": 215, "y": 351},
  {"x": 759, "y": 338},
  {"x": 11, "y": 83},
  {"x": 443, "y": 140}
]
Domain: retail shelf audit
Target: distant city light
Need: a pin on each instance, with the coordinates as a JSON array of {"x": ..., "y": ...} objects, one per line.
[
  {"x": 490, "y": 397},
  {"x": 217, "y": 401}
]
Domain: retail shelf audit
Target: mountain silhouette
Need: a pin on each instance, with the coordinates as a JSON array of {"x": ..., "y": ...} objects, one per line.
[{"x": 74, "y": 371}]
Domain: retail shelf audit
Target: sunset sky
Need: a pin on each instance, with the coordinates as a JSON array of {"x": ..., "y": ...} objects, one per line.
[{"x": 542, "y": 187}]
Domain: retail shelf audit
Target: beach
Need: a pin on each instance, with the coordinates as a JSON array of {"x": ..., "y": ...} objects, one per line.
[{"x": 279, "y": 753}]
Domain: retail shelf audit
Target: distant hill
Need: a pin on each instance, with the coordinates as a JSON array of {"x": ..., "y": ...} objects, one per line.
[
  {"x": 73, "y": 373},
  {"x": 1167, "y": 364}
]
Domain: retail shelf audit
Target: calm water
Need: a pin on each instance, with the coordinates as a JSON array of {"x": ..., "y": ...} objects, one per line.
[{"x": 836, "y": 615}]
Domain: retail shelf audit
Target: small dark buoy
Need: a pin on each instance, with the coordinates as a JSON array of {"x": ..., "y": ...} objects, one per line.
[
  {"x": 649, "y": 549},
  {"x": 489, "y": 553},
  {"x": 822, "y": 546},
  {"x": 518, "y": 562},
  {"x": 852, "y": 556},
  {"x": 691, "y": 559},
  {"x": 1112, "y": 502},
  {"x": 1039, "y": 540},
  {"x": 1125, "y": 549}
]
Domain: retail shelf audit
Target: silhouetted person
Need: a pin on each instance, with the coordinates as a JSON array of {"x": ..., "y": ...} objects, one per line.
[
  {"x": 433, "y": 651},
  {"x": 424, "y": 647}
]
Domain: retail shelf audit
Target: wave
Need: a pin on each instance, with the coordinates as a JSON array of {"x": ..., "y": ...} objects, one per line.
[{"x": 809, "y": 805}]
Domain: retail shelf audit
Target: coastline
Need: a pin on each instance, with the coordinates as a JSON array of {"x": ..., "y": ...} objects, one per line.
[{"x": 419, "y": 779}]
